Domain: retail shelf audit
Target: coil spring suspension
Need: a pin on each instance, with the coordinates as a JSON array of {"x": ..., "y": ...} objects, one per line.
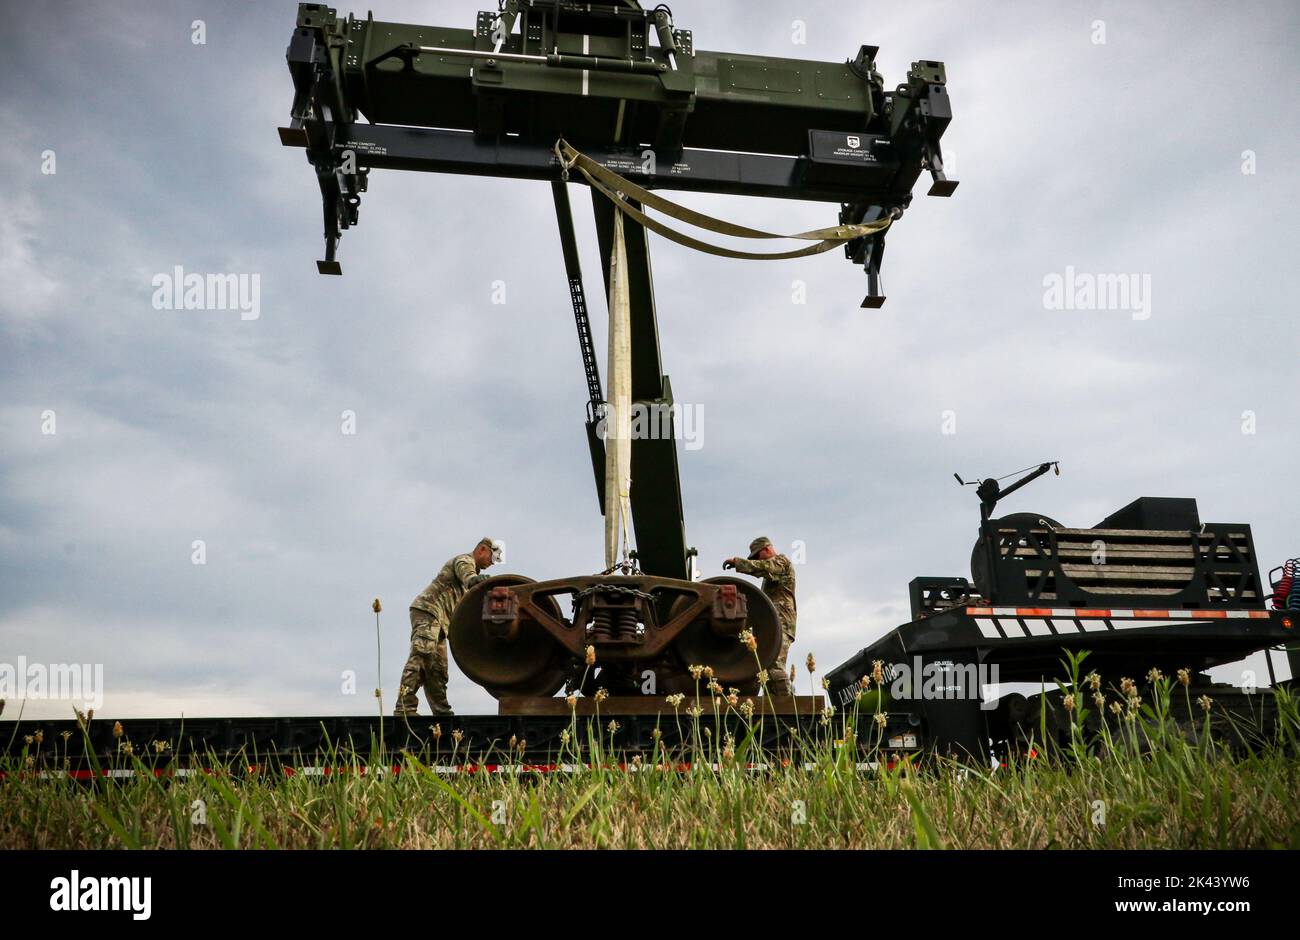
[
  {"x": 614, "y": 622},
  {"x": 627, "y": 621},
  {"x": 601, "y": 619}
]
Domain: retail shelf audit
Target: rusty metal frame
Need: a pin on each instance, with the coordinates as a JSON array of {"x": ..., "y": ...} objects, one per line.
[{"x": 657, "y": 636}]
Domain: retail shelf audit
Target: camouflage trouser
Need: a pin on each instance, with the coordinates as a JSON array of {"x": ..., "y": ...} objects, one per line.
[
  {"x": 425, "y": 669},
  {"x": 778, "y": 674}
]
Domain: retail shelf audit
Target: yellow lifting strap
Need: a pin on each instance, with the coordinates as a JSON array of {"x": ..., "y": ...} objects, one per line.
[{"x": 611, "y": 185}]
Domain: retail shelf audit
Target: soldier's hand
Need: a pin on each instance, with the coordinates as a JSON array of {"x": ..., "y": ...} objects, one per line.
[
  {"x": 477, "y": 579},
  {"x": 730, "y": 563}
]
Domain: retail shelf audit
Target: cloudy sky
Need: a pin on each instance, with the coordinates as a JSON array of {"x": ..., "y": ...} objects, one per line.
[{"x": 823, "y": 422}]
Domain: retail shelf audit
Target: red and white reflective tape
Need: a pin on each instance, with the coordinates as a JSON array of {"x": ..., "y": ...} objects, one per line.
[
  {"x": 323, "y": 771},
  {"x": 1011, "y": 623},
  {"x": 1115, "y": 612},
  {"x": 445, "y": 769}
]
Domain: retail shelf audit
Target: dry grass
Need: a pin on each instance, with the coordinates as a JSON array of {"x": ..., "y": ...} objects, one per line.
[{"x": 1137, "y": 783}]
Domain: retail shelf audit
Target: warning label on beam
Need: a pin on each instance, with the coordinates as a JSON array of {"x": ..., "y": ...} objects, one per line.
[{"x": 839, "y": 147}]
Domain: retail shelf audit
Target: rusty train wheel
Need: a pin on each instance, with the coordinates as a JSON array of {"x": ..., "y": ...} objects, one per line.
[
  {"x": 523, "y": 665},
  {"x": 545, "y": 684},
  {"x": 732, "y": 662}
]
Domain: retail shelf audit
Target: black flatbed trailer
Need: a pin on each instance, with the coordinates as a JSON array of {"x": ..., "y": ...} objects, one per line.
[
  {"x": 963, "y": 651},
  {"x": 1149, "y": 587}
]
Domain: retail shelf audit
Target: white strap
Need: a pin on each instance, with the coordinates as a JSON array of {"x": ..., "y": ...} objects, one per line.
[{"x": 618, "y": 411}]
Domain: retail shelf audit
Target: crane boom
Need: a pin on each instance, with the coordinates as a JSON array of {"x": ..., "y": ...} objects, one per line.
[{"x": 629, "y": 87}]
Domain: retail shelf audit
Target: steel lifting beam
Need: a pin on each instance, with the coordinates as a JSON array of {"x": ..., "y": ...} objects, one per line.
[
  {"x": 779, "y": 176},
  {"x": 878, "y": 183},
  {"x": 493, "y": 99}
]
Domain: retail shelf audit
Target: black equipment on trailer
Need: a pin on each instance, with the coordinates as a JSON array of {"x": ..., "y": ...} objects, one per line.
[{"x": 1150, "y": 586}]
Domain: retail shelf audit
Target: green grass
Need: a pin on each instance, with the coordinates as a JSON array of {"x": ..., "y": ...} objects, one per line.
[{"x": 1137, "y": 781}]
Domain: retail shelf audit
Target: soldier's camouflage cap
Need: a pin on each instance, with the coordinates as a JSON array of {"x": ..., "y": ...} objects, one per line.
[{"x": 758, "y": 545}]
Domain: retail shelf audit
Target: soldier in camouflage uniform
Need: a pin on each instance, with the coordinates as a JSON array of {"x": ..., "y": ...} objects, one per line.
[
  {"x": 430, "y": 619},
  {"x": 777, "y": 572}
]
